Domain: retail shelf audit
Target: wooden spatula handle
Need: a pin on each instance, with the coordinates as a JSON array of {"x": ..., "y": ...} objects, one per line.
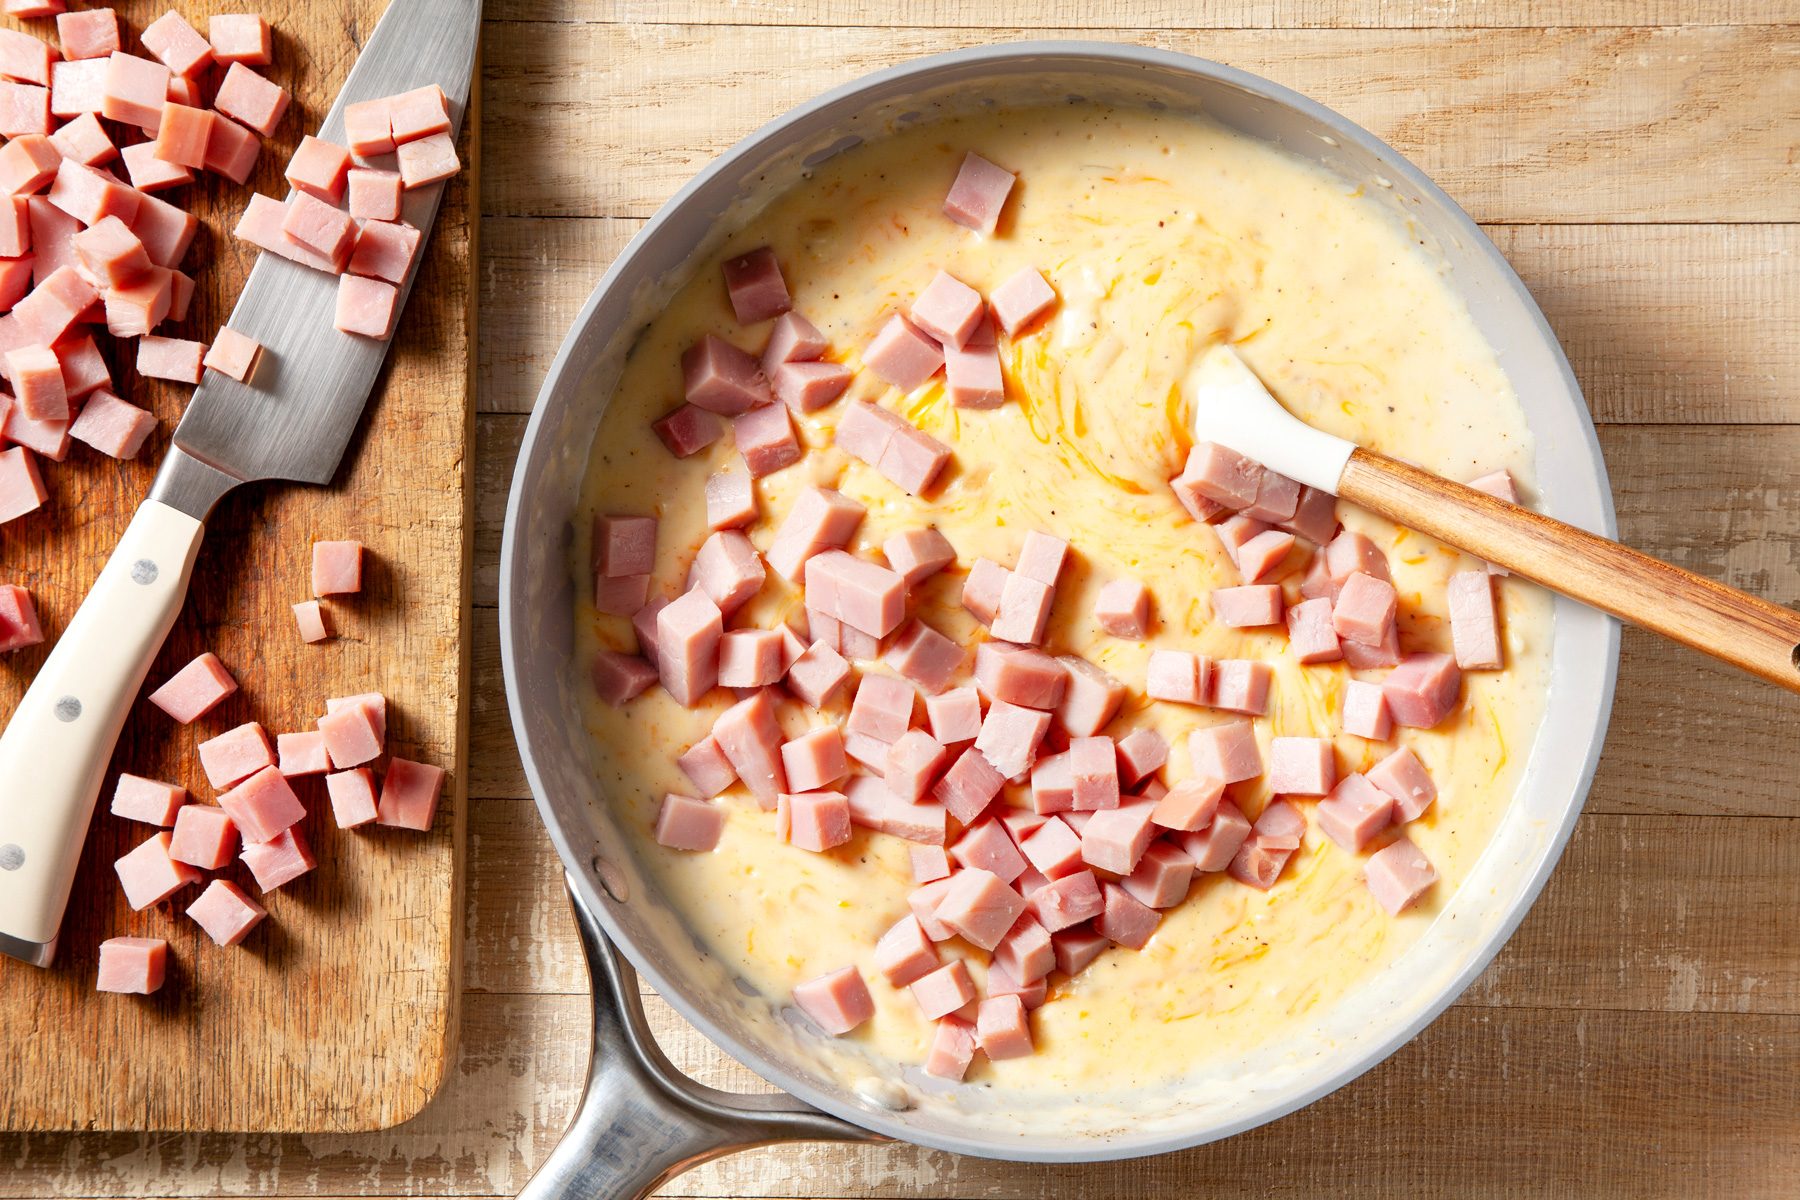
[{"x": 1729, "y": 625}]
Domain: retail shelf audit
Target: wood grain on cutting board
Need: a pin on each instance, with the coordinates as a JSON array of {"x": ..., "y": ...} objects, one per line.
[{"x": 340, "y": 1013}]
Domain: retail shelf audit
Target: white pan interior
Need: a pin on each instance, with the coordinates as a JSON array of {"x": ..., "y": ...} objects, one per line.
[{"x": 543, "y": 680}]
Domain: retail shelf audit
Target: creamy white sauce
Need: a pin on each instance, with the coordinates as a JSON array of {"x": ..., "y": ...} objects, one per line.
[{"x": 1163, "y": 234}]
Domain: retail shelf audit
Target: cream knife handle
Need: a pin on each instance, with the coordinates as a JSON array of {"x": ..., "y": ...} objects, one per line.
[{"x": 55, "y": 749}]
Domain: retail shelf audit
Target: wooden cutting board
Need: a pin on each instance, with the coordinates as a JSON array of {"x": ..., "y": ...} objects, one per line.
[{"x": 340, "y": 1012}]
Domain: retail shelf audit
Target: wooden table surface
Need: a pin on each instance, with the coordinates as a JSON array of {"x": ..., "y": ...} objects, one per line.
[{"x": 1640, "y": 1035}]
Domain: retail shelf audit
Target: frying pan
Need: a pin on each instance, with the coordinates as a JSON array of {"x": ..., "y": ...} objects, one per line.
[{"x": 640, "y": 1121}]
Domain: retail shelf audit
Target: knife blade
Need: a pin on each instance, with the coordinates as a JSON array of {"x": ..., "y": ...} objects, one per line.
[{"x": 292, "y": 422}]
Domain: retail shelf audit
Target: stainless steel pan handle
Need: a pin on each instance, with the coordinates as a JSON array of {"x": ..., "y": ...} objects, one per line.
[{"x": 641, "y": 1121}]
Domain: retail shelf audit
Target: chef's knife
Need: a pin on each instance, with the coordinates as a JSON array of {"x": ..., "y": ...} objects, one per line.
[{"x": 291, "y": 422}]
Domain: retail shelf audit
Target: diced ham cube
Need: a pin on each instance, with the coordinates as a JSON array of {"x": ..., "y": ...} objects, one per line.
[
  {"x": 903, "y": 355},
  {"x": 814, "y": 821},
  {"x": 1094, "y": 773},
  {"x": 814, "y": 759},
  {"x": 944, "y": 990},
  {"x": 1258, "y": 864},
  {"x": 1024, "y": 609},
  {"x": 1312, "y": 638},
  {"x": 92, "y": 33},
  {"x": 980, "y": 906},
  {"x": 1354, "y": 812},
  {"x": 1384, "y": 654},
  {"x": 861, "y": 594},
  {"x": 195, "y": 690},
  {"x": 983, "y": 588},
  {"x": 1162, "y": 876},
  {"x": 1010, "y": 735},
  {"x": 969, "y": 786},
  {"x": 311, "y": 620},
  {"x": 165, "y": 230},
  {"x": 1189, "y": 806},
  {"x": 178, "y": 44},
  {"x": 972, "y": 375},
  {"x": 865, "y": 430},
  {"x": 624, "y": 595},
  {"x": 418, "y": 114},
  {"x": 1022, "y": 299},
  {"x": 1315, "y": 516},
  {"x": 351, "y": 734},
  {"x": 1053, "y": 784},
  {"x": 953, "y": 1045},
  {"x": 353, "y": 801},
  {"x": 239, "y": 37},
  {"x": 1241, "y": 685},
  {"x": 1402, "y": 776},
  {"x": 280, "y": 860},
  {"x": 1398, "y": 874},
  {"x": 374, "y": 702},
  {"x": 904, "y": 954},
  {"x": 111, "y": 252},
  {"x": 365, "y": 307},
  {"x": 336, "y": 568},
  {"x": 987, "y": 846},
  {"x": 754, "y": 285},
  {"x": 27, "y": 164},
  {"x": 765, "y": 437},
  {"x": 1350, "y": 552},
  {"x": 1214, "y": 847},
  {"x": 1041, "y": 557},
  {"x": 1178, "y": 676},
  {"x": 134, "y": 965},
  {"x": 1365, "y": 710},
  {"x": 225, "y": 913},
  {"x": 721, "y": 378},
  {"x": 1277, "y": 497},
  {"x": 384, "y": 250},
  {"x": 1126, "y": 920},
  {"x": 301, "y": 754},
  {"x": 1498, "y": 484},
  {"x": 918, "y": 554},
  {"x": 948, "y": 310},
  {"x": 1221, "y": 475},
  {"x": 1142, "y": 752},
  {"x": 684, "y": 823},
  {"x": 21, "y": 488},
  {"x": 1116, "y": 838},
  {"x": 913, "y": 460},
  {"x": 148, "y": 875},
  {"x": 183, "y": 136},
  {"x": 817, "y": 675},
  {"x": 928, "y": 863},
  {"x": 925, "y": 657},
  {"x": 49, "y": 437},
  {"x": 820, "y": 519},
  {"x": 688, "y": 430},
  {"x": 1423, "y": 689},
  {"x": 236, "y": 754},
  {"x": 170, "y": 358},
  {"x": 806, "y": 387},
  {"x": 751, "y": 739},
  {"x": 1280, "y": 826},
  {"x": 1474, "y": 625},
  {"x": 1020, "y": 675},
  {"x": 37, "y": 380},
  {"x": 1031, "y": 995},
  {"x": 837, "y": 1002},
  {"x": 687, "y": 643},
  {"x": 793, "y": 339},
  {"x": 1123, "y": 609},
  {"x": 154, "y": 803},
  {"x": 729, "y": 570},
  {"x": 1260, "y": 557},
  {"x": 1091, "y": 699},
  {"x": 203, "y": 837},
  {"x": 233, "y": 354},
  {"x": 251, "y": 100},
  {"x": 619, "y": 678},
  {"x": 1226, "y": 753},
  {"x": 1068, "y": 901},
  {"x": 78, "y": 87},
  {"x": 135, "y": 90},
  {"x": 1248, "y": 607},
  {"x": 978, "y": 194},
  {"x": 24, "y": 109},
  {"x": 1302, "y": 766},
  {"x": 1076, "y": 949},
  {"x": 1364, "y": 609},
  {"x": 730, "y": 500},
  {"x": 1002, "y": 1027},
  {"x": 263, "y": 806},
  {"x": 750, "y": 658},
  {"x": 1053, "y": 849}
]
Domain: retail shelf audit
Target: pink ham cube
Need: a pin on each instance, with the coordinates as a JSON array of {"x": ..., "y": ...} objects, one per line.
[
  {"x": 1312, "y": 637},
  {"x": 1123, "y": 609},
  {"x": 818, "y": 675},
  {"x": 310, "y": 618},
  {"x": 1142, "y": 752},
  {"x": 351, "y": 737},
  {"x": 728, "y": 569},
  {"x": 111, "y": 426},
  {"x": 978, "y": 194},
  {"x": 980, "y": 906},
  {"x": 1226, "y": 753},
  {"x": 954, "y": 716},
  {"x": 983, "y": 588},
  {"x": 368, "y": 127},
  {"x": 178, "y": 44},
  {"x": 948, "y": 310},
  {"x": 820, "y": 519},
  {"x": 754, "y": 285},
  {"x": 1398, "y": 874},
  {"x": 280, "y": 860},
  {"x": 1053, "y": 849},
  {"x": 25, "y": 58},
  {"x": 374, "y": 195},
  {"x": 1024, "y": 609},
  {"x": 903, "y": 355},
  {"x": 837, "y": 1002},
  {"x": 112, "y": 254},
  {"x": 1053, "y": 784},
  {"x": 263, "y": 805},
  {"x": 384, "y": 250},
  {"x": 204, "y": 836},
  {"x": 706, "y": 764},
  {"x": 1222, "y": 475},
  {"x": 232, "y": 151},
  {"x": 730, "y": 500},
  {"x": 1234, "y": 532},
  {"x": 793, "y": 339},
  {"x": 1010, "y": 735},
  {"x": 1423, "y": 690},
  {"x": 944, "y": 990},
  {"x": 132, "y": 965},
  {"x": 750, "y": 658},
  {"x": 1190, "y": 805},
  {"x": 1302, "y": 766},
  {"x": 1474, "y": 624},
  {"x": 1354, "y": 812},
  {"x": 913, "y": 460},
  {"x": 320, "y": 227},
  {"x": 27, "y": 164},
  {"x": 1162, "y": 876},
  {"x": 1126, "y": 920},
  {"x": 859, "y": 593},
  {"x": 1281, "y": 826},
  {"x": 1241, "y": 685},
  {"x": 1020, "y": 675},
  {"x": 924, "y": 657},
  {"x": 239, "y": 37},
  {"x": 814, "y": 759},
  {"x": 1065, "y": 902},
  {"x": 806, "y": 387},
  {"x": 1178, "y": 676},
  {"x": 1041, "y": 557},
  {"x": 688, "y": 632},
  {"x": 321, "y": 169},
  {"x": 352, "y": 794},
  {"x": 1020, "y": 300},
  {"x": 1214, "y": 847},
  {"x": 92, "y": 33},
  {"x": 225, "y": 913},
  {"x": 765, "y": 437},
  {"x": 138, "y": 799},
  {"x": 1498, "y": 484},
  {"x": 750, "y": 736},
  {"x": 1386, "y": 653},
  {"x": 170, "y": 358},
  {"x": 24, "y": 109},
  {"x": 987, "y": 846},
  {"x": 365, "y": 307},
  {"x": 236, "y": 754},
  {"x": 721, "y": 378},
  {"x": 1402, "y": 776},
  {"x": 918, "y": 554},
  {"x": 1315, "y": 516},
  {"x": 195, "y": 690},
  {"x": 814, "y": 821},
  {"x": 953, "y": 1045},
  {"x": 684, "y": 823},
  {"x": 149, "y": 875},
  {"x": 1261, "y": 557},
  {"x": 1094, "y": 773},
  {"x": 1277, "y": 497},
  {"x": 969, "y": 786},
  {"x": 375, "y": 702},
  {"x": 928, "y": 863},
  {"x": 1091, "y": 699},
  {"x": 251, "y": 100},
  {"x": 619, "y": 678},
  {"x": 1364, "y": 609},
  {"x": 1258, "y": 864},
  {"x": 1116, "y": 838},
  {"x": 19, "y": 625},
  {"x": 183, "y": 135},
  {"x": 1002, "y": 1028},
  {"x": 301, "y": 754},
  {"x": 409, "y": 794},
  {"x": 1365, "y": 710},
  {"x": 688, "y": 430},
  {"x": 1350, "y": 552},
  {"x": 1076, "y": 949},
  {"x": 904, "y": 954},
  {"x": 913, "y": 762},
  {"x": 37, "y": 381}
]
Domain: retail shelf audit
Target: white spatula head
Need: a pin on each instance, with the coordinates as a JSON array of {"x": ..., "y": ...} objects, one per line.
[{"x": 1232, "y": 408}]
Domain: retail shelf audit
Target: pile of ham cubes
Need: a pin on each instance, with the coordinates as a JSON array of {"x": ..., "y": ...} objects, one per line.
[
  {"x": 1104, "y": 844},
  {"x": 258, "y": 814},
  {"x": 86, "y": 251}
]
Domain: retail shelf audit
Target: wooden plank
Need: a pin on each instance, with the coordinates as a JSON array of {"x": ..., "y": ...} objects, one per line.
[
  {"x": 1157, "y": 14},
  {"x": 342, "y": 1014},
  {"x": 1688, "y": 735},
  {"x": 1643, "y": 913},
  {"x": 1663, "y": 323},
  {"x": 1640, "y": 1097},
  {"x": 1564, "y": 125}
]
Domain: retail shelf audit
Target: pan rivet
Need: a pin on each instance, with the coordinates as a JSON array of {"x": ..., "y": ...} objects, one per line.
[
  {"x": 612, "y": 879},
  {"x": 12, "y": 857},
  {"x": 144, "y": 572}
]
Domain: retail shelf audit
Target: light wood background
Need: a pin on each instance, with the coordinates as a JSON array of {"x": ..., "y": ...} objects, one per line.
[
  {"x": 342, "y": 1013},
  {"x": 1641, "y": 1033}
]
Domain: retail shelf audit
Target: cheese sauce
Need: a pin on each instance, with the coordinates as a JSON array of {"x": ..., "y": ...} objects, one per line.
[{"x": 1163, "y": 234}]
